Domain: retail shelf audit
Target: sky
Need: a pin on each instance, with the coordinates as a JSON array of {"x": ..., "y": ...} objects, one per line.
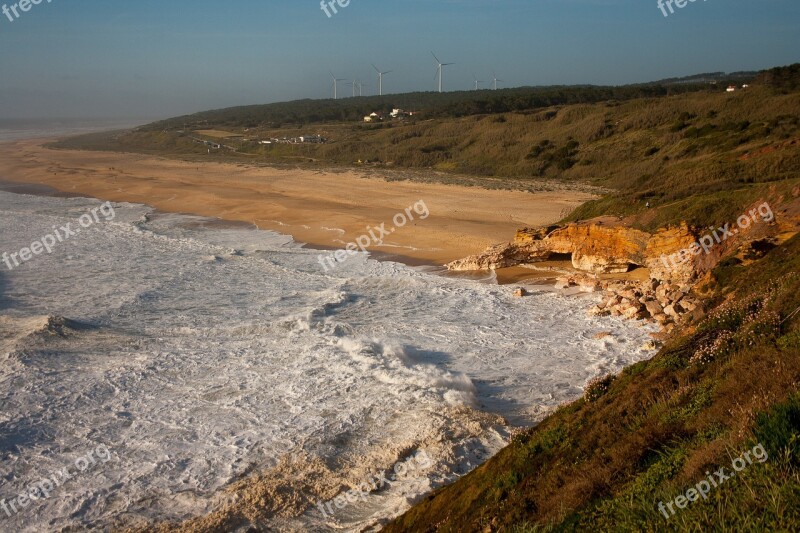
[{"x": 148, "y": 59}]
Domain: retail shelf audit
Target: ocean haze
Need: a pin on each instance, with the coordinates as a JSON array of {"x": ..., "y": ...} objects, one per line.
[
  {"x": 18, "y": 129},
  {"x": 156, "y": 59}
]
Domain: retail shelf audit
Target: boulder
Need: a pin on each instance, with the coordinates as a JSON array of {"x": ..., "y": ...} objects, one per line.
[
  {"x": 671, "y": 312},
  {"x": 630, "y": 294},
  {"x": 565, "y": 283},
  {"x": 654, "y": 308},
  {"x": 634, "y": 313},
  {"x": 651, "y": 345},
  {"x": 598, "y": 311},
  {"x": 662, "y": 319}
]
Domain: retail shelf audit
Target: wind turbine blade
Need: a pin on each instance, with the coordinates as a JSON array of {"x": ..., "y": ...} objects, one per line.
[
  {"x": 436, "y": 58},
  {"x": 376, "y": 68}
]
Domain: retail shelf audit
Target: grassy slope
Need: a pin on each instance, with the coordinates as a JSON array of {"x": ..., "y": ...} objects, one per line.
[{"x": 661, "y": 425}]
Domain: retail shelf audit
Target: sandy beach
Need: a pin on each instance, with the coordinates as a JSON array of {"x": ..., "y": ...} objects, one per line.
[{"x": 322, "y": 209}]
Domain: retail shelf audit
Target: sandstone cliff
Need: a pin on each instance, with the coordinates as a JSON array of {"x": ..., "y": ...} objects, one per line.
[
  {"x": 675, "y": 257},
  {"x": 605, "y": 246},
  {"x": 595, "y": 246}
]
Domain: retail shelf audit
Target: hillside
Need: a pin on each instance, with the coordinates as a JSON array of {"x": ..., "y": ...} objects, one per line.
[
  {"x": 697, "y": 156},
  {"x": 443, "y": 105}
]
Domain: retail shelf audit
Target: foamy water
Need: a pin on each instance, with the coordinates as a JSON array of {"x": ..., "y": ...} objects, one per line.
[{"x": 200, "y": 353}]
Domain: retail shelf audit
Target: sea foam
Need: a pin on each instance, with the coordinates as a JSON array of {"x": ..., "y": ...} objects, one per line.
[{"x": 205, "y": 353}]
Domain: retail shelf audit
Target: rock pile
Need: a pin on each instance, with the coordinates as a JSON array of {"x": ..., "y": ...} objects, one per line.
[{"x": 662, "y": 302}]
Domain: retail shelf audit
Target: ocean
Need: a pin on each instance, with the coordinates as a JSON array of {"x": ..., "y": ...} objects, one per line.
[
  {"x": 201, "y": 354},
  {"x": 18, "y": 129}
]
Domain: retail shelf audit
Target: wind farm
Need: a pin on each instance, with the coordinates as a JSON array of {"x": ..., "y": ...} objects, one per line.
[
  {"x": 358, "y": 86},
  {"x": 495, "y": 80},
  {"x": 380, "y": 79},
  {"x": 336, "y": 85},
  {"x": 440, "y": 70}
]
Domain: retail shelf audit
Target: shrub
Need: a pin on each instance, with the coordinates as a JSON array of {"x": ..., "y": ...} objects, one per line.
[{"x": 597, "y": 387}]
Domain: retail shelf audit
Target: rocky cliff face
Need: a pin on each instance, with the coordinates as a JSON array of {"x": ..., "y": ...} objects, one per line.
[
  {"x": 660, "y": 256},
  {"x": 596, "y": 247},
  {"x": 675, "y": 257},
  {"x": 672, "y": 255}
]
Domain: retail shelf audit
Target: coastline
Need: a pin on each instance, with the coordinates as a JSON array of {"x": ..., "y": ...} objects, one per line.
[
  {"x": 323, "y": 210},
  {"x": 480, "y": 430}
]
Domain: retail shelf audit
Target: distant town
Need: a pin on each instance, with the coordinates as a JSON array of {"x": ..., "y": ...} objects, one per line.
[{"x": 244, "y": 139}]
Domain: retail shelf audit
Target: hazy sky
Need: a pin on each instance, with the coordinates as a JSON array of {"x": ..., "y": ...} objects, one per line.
[{"x": 150, "y": 59}]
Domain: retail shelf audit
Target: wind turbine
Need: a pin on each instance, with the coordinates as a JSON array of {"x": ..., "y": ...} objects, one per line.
[
  {"x": 354, "y": 82},
  {"x": 477, "y": 81},
  {"x": 495, "y": 80},
  {"x": 360, "y": 87},
  {"x": 380, "y": 79},
  {"x": 440, "y": 69},
  {"x": 336, "y": 84}
]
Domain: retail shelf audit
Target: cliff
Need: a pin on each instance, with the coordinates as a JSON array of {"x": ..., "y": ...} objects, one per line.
[
  {"x": 677, "y": 254},
  {"x": 595, "y": 246}
]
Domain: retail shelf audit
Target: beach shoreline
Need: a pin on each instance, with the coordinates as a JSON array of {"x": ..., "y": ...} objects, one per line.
[{"x": 323, "y": 210}]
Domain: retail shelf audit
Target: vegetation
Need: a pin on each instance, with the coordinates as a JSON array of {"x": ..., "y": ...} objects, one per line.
[
  {"x": 436, "y": 105},
  {"x": 695, "y": 153}
]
